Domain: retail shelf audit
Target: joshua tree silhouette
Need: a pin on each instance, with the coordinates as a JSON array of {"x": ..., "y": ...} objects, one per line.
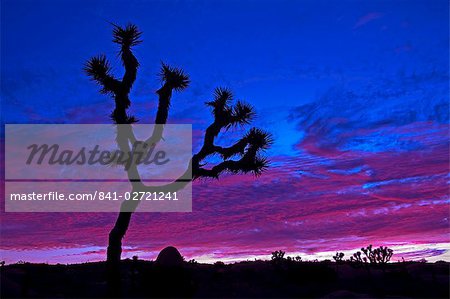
[
  {"x": 338, "y": 257},
  {"x": 380, "y": 255},
  {"x": 246, "y": 152}
]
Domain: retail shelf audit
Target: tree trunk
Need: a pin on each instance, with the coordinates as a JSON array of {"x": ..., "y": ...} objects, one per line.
[
  {"x": 114, "y": 252},
  {"x": 115, "y": 237}
]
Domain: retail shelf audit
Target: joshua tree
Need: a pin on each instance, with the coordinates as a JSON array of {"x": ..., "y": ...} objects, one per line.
[
  {"x": 338, "y": 257},
  {"x": 380, "y": 255},
  {"x": 278, "y": 256},
  {"x": 356, "y": 257},
  {"x": 244, "y": 156}
]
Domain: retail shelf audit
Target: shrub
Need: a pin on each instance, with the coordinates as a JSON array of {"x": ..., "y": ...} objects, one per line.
[
  {"x": 380, "y": 255},
  {"x": 338, "y": 257},
  {"x": 356, "y": 257},
  {"x": 278, "y": 255},
  {"x": 423, "y": 260}
]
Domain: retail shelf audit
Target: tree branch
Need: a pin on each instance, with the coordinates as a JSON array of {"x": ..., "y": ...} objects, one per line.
[
  {"x": 127, "y": 38},
  {"x": 99, "y": 69}
]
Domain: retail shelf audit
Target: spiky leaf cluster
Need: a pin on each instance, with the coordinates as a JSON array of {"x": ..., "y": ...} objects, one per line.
[
  {"x": 174, "y": 77},
  {"x": 99, "y": 70},
  {"x": 221, "y": 102},
  {"x": 228, "y": 115},
  {"x": 257, "y": 165},
  {"x": 242, "y": 114},
  {"x": 259, "y": 139},
  {"x": 127, "y": 37}
]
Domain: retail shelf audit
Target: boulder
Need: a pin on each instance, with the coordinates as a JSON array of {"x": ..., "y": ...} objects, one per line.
[{"x": 169, "y": 257}]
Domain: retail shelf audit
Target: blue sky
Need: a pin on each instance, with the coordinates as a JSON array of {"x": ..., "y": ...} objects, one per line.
[{"x": 274, "y": 56}]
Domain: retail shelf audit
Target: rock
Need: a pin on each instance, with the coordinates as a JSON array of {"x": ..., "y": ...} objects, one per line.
[{"x": 169, "y": 257}]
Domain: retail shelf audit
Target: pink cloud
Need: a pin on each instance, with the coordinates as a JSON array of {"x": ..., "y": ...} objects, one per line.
[{"x": 322, "y": 200}]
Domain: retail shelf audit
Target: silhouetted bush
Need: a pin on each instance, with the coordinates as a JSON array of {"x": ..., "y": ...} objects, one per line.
[
  {"x": 339, "y": 256},
  {"x": 278, "y": 255},
  {"x": 423, "y": 260},
  {"x": 380, "y": 255}
]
